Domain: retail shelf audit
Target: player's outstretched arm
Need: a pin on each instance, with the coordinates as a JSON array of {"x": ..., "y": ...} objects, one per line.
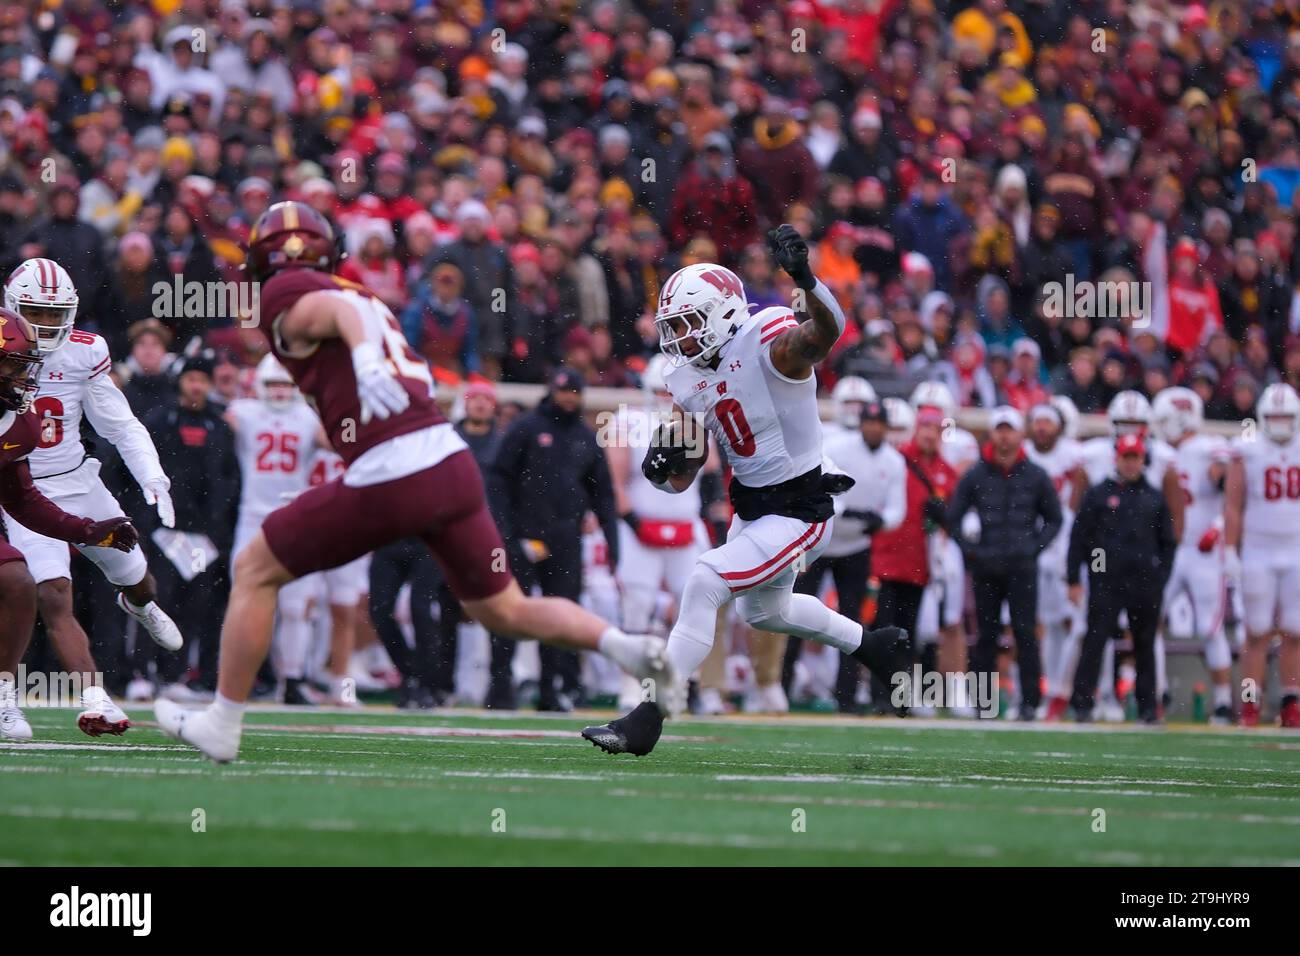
[
  {"x": 317, "y": 316},
  {"x": 110, "y": 415},
  {"x": 31, "y": 509},
  {"x": 796, "y": 351}
]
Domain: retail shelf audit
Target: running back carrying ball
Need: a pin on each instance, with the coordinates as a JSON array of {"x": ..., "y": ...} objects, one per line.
[{"x": 669, "y": 454}]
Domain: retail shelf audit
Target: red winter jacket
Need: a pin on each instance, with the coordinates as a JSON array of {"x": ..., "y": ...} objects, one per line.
[{"x": 900, "y": 554}]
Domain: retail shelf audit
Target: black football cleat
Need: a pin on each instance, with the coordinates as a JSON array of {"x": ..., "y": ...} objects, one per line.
[
  {"x": 635, "y": 734},
  {"x": 885, "y": 652}
]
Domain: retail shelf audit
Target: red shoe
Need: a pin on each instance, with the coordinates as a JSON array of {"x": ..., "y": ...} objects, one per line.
[
  {"x": 1290, "y": 715},
  {"x": 1056, "y": 708},
  {"x": 1250, "y": 715}
]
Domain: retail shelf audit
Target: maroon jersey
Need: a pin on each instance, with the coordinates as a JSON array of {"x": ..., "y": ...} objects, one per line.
[
  {"x": 20, "y": 437},
  {"x": 18, "y": 495},
  {"x": 325, "y": 374}
]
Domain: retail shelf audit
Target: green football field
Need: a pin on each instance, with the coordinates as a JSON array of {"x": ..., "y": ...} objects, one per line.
[{"x": 387, "y": 787}]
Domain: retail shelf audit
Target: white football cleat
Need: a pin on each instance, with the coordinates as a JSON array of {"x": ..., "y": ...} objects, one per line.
[
  {"x": 769, "y": 699},
  {"x": 711, "y": 702},
  {"x": 155, "y": 621},
  {"x": 219, "y": 743},
  {"x": 342, "y": 692},
  {"x": 140, "y": 689},
  {"x": 13, "y": 725},
  {"x": 99, "y": 715}
]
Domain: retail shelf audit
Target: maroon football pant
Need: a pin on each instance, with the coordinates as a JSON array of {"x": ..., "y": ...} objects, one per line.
[{"x": 444, "y": 506}]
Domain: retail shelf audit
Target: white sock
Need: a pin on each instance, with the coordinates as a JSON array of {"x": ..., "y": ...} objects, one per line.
[
  {"x": 623, "y": 650},
  {"x": 697, "y": 619},
  {"x": 226, "y": 711},
  {"x": 1222, "y": 695},
  {"x": 293, "y": 638},
  {"x": 808, "y": 617}
]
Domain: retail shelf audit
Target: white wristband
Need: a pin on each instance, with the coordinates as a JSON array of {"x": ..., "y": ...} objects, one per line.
[
  {"x": 826, "y": 298},
  {"x": 366, "y": 355}
]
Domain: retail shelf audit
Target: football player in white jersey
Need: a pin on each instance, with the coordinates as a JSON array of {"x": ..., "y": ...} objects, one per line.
[
  {"x": 1201, "y": 464},
  {"x": 344, "y": 590},
  {"x": 276, "y": 436},
  {"x": 877, "y": 501},
  {"x": 1262, "y": 532},
  {"x": 1060, "y": 625},
  {"x": 660, "y": 536},
  {"x": 749, "y": 379},
  {"x": 74, "y": 379},
  {"x": 849, "y": 396},
  {"x": 938, "y": 619}
]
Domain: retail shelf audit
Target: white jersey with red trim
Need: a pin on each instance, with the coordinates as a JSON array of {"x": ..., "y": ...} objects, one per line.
[
  {"x": 766, "y": 423},
  {"x": 1060, "y": 462},
  {"x": 1099, "y": 460},
  {"x": 1272, "y": 517},
  {"x": 276, "y": 449},
  {"x": 75, "y": 380},
  {"x": 959, "y": 448},
  {"x": 1202, "y": 497}
]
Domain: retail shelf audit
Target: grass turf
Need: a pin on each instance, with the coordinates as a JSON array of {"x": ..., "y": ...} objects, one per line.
[{"x": 382, "y": 787}]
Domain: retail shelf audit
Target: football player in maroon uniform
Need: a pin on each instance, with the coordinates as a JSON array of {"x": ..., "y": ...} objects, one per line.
[
  {"x": 409, "y": 474},
  {"x": 20, "y": 430}
]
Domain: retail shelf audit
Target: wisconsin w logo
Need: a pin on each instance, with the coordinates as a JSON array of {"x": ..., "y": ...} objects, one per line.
[{"x": 723, "y": 280}]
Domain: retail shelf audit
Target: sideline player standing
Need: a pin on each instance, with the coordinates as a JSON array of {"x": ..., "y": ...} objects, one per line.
[
  {"x": 1262, "y": 528},
  {"x": 1201, "y": 463},
  {"x": 74, "y": 378},
  {"x": 1060, "y": 622},
  {"x": 276, "y": 435},
  {"x": 408, "y": 473},
  {"x": 750, "y": 378},
  {"x": 20, "y": 432}
]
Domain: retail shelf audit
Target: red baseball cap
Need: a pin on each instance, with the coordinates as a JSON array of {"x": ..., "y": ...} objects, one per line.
[{"x": 1131, "y": 444}]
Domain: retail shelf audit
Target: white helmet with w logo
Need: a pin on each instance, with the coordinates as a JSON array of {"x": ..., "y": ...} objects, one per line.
[
  {"x": 1176, "y": 412},
  {"x": 1279, "y": 412},
  {"x": 41, "y": 291},
  {"x": 702, "y": 304}
]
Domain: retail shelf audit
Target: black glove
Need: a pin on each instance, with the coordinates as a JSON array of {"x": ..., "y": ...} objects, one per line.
[
  {"x": 116, "y": 533},
  {"x": 666, "y": 456},
  {"x": 935, "y": 511},
  {"x": 632, "y": 520},
  {"x": 791, "y": 254},
  {"x": 872, "y": 521}
]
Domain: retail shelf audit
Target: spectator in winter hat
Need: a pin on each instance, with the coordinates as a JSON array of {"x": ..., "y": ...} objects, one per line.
[{"x": 777, "y": 162}]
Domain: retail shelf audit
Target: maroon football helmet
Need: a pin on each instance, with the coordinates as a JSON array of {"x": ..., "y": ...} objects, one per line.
[
  {"x": 20, "y": 362},
  {"x": 291, "y": 235}
]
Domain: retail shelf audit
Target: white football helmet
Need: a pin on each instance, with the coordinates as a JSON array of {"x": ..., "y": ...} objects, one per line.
[
  {"x": 1069, "y": 414},
  {"x": 704, "y": 303},
  {"x": 1176, "y": 412},
  {"x": 1049, "y": 411},
  {"x": 900, "y": 415},
  {"x": 933, "y": 395},
  {"x": 1278, "y": 412},
  {"x": 848, "y": 398},
  {"x": 271, "y": 372},
  {"x": 41, "y": 291},
  {"x": 1129, "y": 412}
]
